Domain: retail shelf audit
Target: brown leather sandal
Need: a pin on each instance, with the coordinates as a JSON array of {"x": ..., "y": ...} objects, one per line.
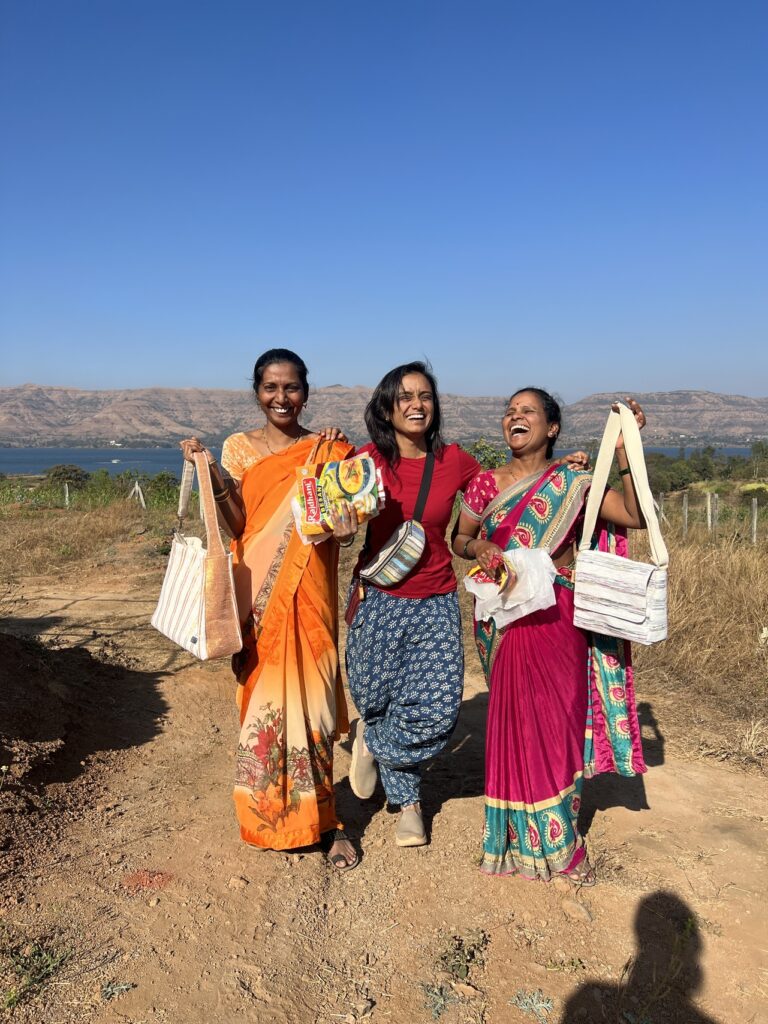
[
  {"x": 339, "y": 860},
  {"x": 582, "y": 876}
]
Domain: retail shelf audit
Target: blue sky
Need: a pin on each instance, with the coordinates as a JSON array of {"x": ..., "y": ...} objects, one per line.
[{"x": 572, "y": 195}]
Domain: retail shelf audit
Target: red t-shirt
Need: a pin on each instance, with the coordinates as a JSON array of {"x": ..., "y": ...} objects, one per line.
[{"x": 453, "y": 470}]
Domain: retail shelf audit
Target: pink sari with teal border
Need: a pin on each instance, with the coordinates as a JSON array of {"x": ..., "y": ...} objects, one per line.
[{"x": 562, "y": 703}]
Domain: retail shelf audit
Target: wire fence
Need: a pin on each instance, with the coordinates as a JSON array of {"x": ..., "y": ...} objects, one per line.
[{"x": 711, "y": 516}]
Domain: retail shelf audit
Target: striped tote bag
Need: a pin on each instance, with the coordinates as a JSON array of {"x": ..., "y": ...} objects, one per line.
[{"x": 197, "y": 607}]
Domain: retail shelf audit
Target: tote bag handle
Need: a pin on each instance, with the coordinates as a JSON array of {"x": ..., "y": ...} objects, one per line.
[
  {"x": 214, "y": 543},
  {"x": 623, "y": 422}
]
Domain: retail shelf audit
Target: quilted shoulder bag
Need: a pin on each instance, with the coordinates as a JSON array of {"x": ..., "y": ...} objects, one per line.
[
  {"x": 404, "y": 548},
  {"x": 197, "y": 607},
  {"x": 616, "y": 596}
]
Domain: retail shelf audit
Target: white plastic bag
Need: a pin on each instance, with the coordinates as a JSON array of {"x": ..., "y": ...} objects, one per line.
[{"x": 532, "y": 591}]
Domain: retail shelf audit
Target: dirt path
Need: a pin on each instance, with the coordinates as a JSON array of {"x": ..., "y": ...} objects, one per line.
[{"x": 127, "y": 857}]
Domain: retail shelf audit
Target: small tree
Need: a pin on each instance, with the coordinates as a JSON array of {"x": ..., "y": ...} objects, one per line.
[
  {"x": 759, "y": 459},
  {"x": 487, "y": 454},
  {"x": 75, "y": 476}
]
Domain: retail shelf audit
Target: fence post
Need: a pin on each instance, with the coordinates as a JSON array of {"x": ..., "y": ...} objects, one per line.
[
  {"x": 715, "y": 511},
  {"x": 709, "y": 512},
  {"x": 754, "y": 520},
  {"x": 685, "y": 514},
  {"x": 66, "y": 494},
  {"x": 138, "y": 494}
]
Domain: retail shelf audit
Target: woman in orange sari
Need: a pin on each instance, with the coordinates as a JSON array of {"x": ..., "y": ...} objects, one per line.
[{"x": 290, "y": 694}]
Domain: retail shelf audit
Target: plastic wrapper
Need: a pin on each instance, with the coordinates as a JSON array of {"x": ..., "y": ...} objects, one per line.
[
  {"x": 524, "y": 584},
  {"x": 321, "y": 487}
]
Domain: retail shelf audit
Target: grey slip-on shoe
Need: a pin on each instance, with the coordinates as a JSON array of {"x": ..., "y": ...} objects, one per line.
[
  {"x": 410, "y": 827},
  {"x": 362, "y": 770}
]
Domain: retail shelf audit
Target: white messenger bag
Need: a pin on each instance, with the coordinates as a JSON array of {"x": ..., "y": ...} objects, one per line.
[
  {"x": 613, "y": 595},
  {"x": 197, "y": 607}
]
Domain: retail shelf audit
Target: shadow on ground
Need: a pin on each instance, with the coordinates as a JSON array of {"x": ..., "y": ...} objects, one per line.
[
  {"x": 59, "y": 708},
  {"x": 459, "y": 772},
  {"x": 662, "y": 977}
]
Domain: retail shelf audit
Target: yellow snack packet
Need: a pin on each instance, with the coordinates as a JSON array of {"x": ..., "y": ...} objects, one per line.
[{"x": 321, "y": 487}]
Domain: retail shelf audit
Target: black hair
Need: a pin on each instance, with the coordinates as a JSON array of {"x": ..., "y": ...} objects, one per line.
[
  {"x": 280, "y": 355},
  {"x": 552, "y": 411},
  {"x": 378, "y": 412}
]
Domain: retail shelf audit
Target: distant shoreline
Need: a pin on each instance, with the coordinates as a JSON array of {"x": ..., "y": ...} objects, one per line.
[
  {"x": 574, "y": 441},
  {"x": 35, "y": 461}
]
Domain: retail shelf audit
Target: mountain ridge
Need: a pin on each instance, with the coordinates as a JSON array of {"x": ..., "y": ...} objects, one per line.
[{"x": 33, "y": 415}]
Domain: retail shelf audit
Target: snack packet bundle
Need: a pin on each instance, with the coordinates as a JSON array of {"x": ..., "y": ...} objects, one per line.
[{"x": 320, "y": 487}]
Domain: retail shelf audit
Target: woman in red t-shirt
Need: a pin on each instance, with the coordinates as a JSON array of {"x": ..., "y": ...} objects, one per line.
[{"x": 405, "y": 659}]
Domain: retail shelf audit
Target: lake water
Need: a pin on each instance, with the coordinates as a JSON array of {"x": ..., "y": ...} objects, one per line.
[
  {"x": 114, "y": 460},
  {"x": 724, "y": 452},
  {"x": 155, "y": 460}
]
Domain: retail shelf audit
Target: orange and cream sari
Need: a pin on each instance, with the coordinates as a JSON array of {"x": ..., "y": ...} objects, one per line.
[{"x": 290, "y": 693}]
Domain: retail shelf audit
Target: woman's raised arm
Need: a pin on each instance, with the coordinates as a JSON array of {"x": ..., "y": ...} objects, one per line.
[
  {"x": 229, "y": 504},
  {"x": 623, "y": 509}
]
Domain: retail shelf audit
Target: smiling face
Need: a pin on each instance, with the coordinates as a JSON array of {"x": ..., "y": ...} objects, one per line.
[
  {"x": 525, "y": 426},
  {"x": 281, "y": 395},
  {"x": 414, "y": 407}
]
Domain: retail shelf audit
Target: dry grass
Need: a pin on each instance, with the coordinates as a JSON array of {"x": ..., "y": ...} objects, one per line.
[
  {"x": 709, "y": 680},
  {"x": 43, "y": 541},
  {"x": 718, "y": 607}
]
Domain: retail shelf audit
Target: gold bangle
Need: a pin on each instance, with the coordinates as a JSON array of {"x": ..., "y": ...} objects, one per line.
[{"x": 221, "y": 496}]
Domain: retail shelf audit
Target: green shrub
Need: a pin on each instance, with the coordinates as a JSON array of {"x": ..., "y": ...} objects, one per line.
[
  {"x": 755, "y": 490},
  {"x": 75, "y": 476},
  {"x": 488, "y": 454}
]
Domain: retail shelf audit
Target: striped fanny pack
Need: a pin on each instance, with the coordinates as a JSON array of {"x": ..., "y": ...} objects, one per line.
[{"x": 404, "y": 548}]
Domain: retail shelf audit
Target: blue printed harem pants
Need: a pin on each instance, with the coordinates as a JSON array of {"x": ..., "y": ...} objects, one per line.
[{"x": 405, "y": 663}]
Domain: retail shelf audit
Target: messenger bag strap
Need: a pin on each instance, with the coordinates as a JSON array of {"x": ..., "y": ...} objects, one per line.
[
  {"x": 426, "y": 480},
  {"x": 421, "y": 500},
  {"x": 623, "y": 422}
]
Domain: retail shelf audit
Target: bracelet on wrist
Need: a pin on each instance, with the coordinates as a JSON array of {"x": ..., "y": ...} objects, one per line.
[
  {"x": 346, "y": 543},
  {"x": 464, "y": 553},
  {"x": 221, "y": 496},
  {"x": 625, "y": 472}
]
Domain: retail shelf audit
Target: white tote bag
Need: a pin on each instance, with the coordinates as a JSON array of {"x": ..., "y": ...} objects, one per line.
[
  {"x": 613, "y": 595},
  {"x": 197, "y": 607}
]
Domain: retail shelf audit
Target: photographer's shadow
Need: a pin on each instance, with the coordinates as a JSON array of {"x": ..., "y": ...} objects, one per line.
[{"x": 659, "y": 981}]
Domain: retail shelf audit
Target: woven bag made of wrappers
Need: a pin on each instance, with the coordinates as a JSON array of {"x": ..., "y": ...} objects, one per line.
[{"x": 616, "y": 596}]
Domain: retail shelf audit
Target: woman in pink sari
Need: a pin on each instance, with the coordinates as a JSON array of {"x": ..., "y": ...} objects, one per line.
[{"x": 561, "y": 700}]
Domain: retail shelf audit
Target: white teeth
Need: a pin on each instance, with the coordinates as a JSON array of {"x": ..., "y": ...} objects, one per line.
[{"x": 519, "y": 429}]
